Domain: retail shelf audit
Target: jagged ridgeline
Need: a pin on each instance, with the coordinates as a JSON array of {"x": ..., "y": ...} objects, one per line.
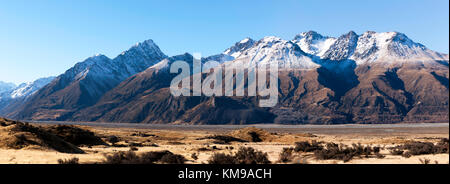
[{"x": 367, "y": 78}]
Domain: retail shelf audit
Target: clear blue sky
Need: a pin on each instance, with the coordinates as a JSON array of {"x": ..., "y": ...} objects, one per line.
[{"x": 41, "y": 38}]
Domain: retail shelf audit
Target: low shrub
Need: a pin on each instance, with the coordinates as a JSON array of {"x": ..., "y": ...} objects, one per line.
[
  {"x": 135, "y": 144},
  {"x": 245, "y": 155},
  {"x": 112, "y": 139},
  {"x": 69, "y": 161},
  {"x": 307, "y": 147},
  {"x": 248, "y": 155},
  {"x": 171, "y": 158},
  {"x": 203, "y": 149},
  {"x": 424, "y": 161},
  {"x": 442, "y": 146},
  {"x": 406, "y": 154},
  {"x": 131, "y": 157},
  {"x": 221, "y": 158},
  {"x": 419, "y": 148},
  {"x": 422, "y": 148},
  {"x": 141, "y": 134},
  {"x": 286, "y": 155},
  {"x": 194, "y": 156},
  {"x": 345, "y": 153},
  {"x": 379, "y": 156},
  {"x": 396, "y": 151},
  {"x": 255, "y": 136},
  {"x": 166, "y": 157},
  {"x": 123, "y": 157},
  {"x": 120, "y": 145}
]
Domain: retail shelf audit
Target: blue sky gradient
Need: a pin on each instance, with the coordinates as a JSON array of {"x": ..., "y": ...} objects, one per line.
[{"x": 40, "y": 38}]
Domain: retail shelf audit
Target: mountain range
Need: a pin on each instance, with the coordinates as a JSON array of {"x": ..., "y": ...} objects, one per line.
[{"x": 368, "y": 78}]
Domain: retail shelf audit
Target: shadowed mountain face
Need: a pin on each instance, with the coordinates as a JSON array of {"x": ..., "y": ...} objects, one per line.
[
  {"x": 375, "y": 95},
  {"x": 368, "y": 78},
  {"x": 146, "y": 97}
]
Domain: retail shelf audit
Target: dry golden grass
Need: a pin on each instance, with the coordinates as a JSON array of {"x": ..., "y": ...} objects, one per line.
[{"x": 188, "y": 143}]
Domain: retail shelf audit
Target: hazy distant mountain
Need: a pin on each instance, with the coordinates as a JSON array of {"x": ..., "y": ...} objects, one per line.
[
  {"x": 23, "y": 90},
  {"x": 5, "y": 90},
  {"x": 4, "y": 86},
  {"x": 29, "y": 88},
  {"x": 14, "y": 97},
  {"x": 367, "y": 78}
]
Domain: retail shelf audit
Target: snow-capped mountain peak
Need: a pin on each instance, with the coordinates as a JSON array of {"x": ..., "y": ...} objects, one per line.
[
  {"x": 138, "y": 58},
  {"x": 245, "y": 40},
  {"x": 270, "y": 40},
  {"x": 390, "y": 47},
  {"x": 311, "y": 49},
  {"x": 313, "y": 43},
  {"x": 238, "y": 47},
  {"x": 270, "y": 49},
  {"x": 342, "y": 48},
  {"x": 82, "y": 68},
  {"x": 309, "y": 36},
  {"x": 146, "y": 48}
]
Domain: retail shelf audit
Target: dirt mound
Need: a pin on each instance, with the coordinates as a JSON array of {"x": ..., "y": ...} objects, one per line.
[
  {"x": 252, "y": 134},
  {"x": 18, "y": 135},
  {"x": 75, "y": 135}
]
